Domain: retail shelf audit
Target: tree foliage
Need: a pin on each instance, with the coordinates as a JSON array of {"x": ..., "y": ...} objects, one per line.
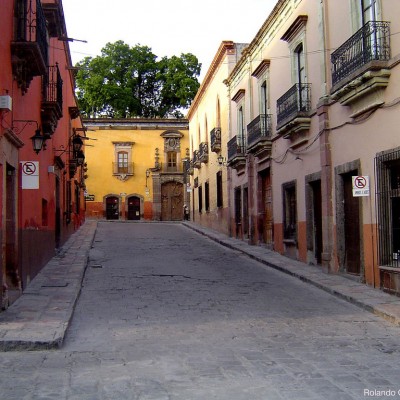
[{"x": 125, "y": 82}]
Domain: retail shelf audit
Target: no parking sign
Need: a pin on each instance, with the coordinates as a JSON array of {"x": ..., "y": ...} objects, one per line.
[
  {"x": 30, "y": 174},
  {"x": 360, "y": 186}
]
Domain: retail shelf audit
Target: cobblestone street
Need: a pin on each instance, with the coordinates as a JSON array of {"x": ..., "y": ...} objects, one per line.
[{"x": 166, "y": 313}]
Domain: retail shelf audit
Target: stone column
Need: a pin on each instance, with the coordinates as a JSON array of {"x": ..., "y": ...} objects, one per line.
[{"x": 156, "y": 197}]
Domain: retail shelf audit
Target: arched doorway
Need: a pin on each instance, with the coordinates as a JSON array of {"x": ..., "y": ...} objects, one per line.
[
  {"x": 134, "y": 208},
  {"x": 112, "y": 207},
  {"x": 172, "y": 201}
]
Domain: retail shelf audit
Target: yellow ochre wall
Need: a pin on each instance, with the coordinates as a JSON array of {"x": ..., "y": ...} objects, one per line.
[{"x": 100, "y": 155}]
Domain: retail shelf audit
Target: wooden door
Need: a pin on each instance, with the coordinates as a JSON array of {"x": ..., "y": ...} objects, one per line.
[
  {"x": 172, "y": 201},
  {"x": 112, "y": 208},
  {"x": 245, "y": 222},
  {"x": 351, "y": 226},
  {"x": 134, "y": 208},
  {"x": 267, "y": 223},
  {"x": 317, "y": 223}
]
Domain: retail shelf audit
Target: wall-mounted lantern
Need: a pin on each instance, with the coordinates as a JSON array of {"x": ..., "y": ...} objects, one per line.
[
  {"x": 37, "y": 141},
  {"x": 221, "y": 160}
]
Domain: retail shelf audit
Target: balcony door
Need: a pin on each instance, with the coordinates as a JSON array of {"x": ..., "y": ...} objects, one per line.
[
  {"x": 264, "y": 99},
  {"x": 368, "y": 11},
  {"x": 300, "y": 66},
  {"x": 372, "y": 37}
]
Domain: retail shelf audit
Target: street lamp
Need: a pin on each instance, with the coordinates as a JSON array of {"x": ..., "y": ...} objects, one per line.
[
  {"x": 221, "y": 160},
  {"x": 77, "y": 143},
  {"x": 37, "y": 141},
  {"x": 80, "y": 157}
]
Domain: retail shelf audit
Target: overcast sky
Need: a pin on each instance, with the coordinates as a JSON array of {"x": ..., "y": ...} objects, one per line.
[{"x": 168, "y": 27}]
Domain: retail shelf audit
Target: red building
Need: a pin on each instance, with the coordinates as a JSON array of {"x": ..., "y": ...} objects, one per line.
[{"x": 41, "y": 189}]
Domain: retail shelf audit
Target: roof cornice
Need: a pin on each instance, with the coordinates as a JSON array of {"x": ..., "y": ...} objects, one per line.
[{"x": 226, "y": 47}]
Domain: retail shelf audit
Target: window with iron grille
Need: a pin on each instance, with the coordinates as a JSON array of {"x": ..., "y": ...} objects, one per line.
[{"x": 387, "y": 170}]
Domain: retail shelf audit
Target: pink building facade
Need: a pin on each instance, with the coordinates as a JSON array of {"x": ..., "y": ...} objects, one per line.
[
  {"x": 313, "y": 150},
  {"x": 41, "y": 191}
]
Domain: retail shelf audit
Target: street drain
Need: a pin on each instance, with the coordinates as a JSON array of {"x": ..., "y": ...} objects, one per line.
[
  {"x": 55, "y": 286},
  {"x": 96, "y": 266}
]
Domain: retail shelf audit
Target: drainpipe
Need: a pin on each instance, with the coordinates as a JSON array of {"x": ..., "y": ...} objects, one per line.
[
  {"x": 251, "y": 173},
  {"x": 229, "y": 170},
  {"x": 328, "y": 263}
]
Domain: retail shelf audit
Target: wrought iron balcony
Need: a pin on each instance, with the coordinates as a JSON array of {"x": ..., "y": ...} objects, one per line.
[
  {"x": 370, "y": 43},
  {"x": 29, "y": 48},
  {"x": 124, "y": 168},
  {"x": 55, "y": 19},
  {"x": 52, "y": 99},
  {"x": 237, "y": 153},
  {"x": 203, "y": 152},
  {"x": 188, "y": 167},
  {"x": 215, "y": 138},
  {"x": 296, "y": 102},
  {"x": 196, "y": 159},
  {"x": 259, "y": 132}
]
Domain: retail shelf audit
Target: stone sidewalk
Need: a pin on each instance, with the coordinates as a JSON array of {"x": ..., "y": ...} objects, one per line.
[{"x": 40, "y": 318}]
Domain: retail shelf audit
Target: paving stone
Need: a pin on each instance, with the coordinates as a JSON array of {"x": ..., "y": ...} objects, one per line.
[{"x": 162, "y": 319}]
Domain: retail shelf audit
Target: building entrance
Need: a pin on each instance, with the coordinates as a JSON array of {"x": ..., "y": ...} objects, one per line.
[
  {"x": 172, "y": 201},
  {"x": 134, "y": 208},
  {"x": 351, "y": 226},
  {"x": 112, "y": 207}
]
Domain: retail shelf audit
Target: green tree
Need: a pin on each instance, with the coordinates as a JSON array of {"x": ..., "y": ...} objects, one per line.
[{"x": 126, "y": 82}]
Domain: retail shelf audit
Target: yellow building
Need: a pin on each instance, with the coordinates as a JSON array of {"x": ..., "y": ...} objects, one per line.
[{"x": 136, "y": 168}]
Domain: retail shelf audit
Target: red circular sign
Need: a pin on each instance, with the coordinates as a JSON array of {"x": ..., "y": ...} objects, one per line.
[{"x": 29, "y": 168}]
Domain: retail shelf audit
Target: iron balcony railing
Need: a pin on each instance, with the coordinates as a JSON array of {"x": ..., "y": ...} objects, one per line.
[
  {"x": 215, "y": 140},
  {"x": 236, "y": 148},
  {"x": 203, "y": 152},
  {"x": 124, "y": 168},
  {"x": 295, "y": 102},
  {"x": 370, "y": 43},
  {"x": 259, "y": 128},
  {"x": 196, "y": 159},
  {"x": 52, "y": 87},
  {"x": 31, "y": 25}
]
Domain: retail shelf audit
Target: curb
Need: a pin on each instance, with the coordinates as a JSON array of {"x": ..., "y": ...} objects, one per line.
[
  {"x": 41, "y": 316},
  {"x": 387, "y": 301}
]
